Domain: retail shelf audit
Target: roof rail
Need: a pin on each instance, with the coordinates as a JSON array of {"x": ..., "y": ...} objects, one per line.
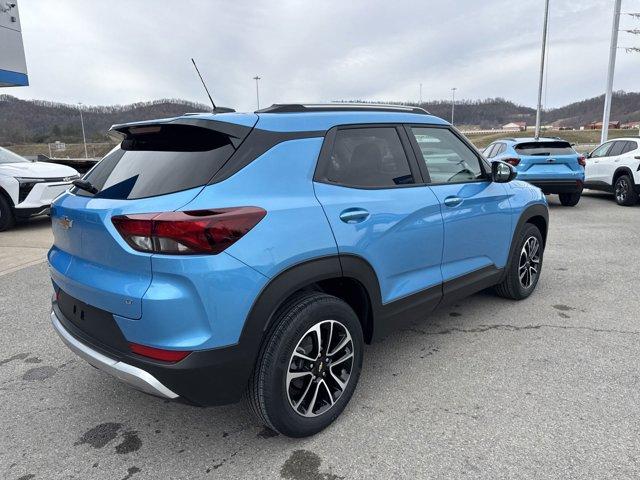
[{"x": 340, "y": 107}]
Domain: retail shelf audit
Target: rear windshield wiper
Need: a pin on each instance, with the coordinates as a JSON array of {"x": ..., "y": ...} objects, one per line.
[{"x": 86, "y": 186}]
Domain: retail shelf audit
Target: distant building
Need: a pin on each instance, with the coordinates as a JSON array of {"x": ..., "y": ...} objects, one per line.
[
  {"x": 631, "y": 126},
  {"x": 515, "y": 126},
  {"x": 598, "y": 126}
]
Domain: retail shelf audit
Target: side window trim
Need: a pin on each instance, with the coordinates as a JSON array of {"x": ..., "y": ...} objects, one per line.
[
  {"x": 328, "y": 145},
  {"x": 484, "y": 166}
]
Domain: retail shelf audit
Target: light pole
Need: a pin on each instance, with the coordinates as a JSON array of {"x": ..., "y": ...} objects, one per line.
[
  {"x": 612, "y": 64},
  {"x": 420, "y": 94},
  {"x": 542, "y": 57},
  {"x": 453, "y": 103},
  {"x": 84, "y": 138},
  {"x": 256, "y": 78}
]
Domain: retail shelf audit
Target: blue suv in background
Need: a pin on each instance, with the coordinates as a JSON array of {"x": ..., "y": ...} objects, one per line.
[
  {"x": 212, "y": 257},
  {"x": 548, "y": 163}
]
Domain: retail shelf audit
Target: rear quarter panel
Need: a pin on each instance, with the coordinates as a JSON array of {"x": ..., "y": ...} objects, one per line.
[{"x": 295, "y": 228}]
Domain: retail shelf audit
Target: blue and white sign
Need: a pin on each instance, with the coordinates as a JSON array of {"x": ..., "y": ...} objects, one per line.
[{"x": 13, "y": 66}]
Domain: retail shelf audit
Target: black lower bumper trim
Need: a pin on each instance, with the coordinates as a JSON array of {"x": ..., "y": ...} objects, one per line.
[
  {"x": 558, "y": 186},
  {"x": 204, "y": 378}
]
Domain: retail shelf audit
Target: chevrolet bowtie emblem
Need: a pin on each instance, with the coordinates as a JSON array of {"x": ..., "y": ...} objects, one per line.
[{"x": 65, "y": 223}]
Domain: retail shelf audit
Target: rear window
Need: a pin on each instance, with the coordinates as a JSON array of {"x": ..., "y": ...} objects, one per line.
[
  {"x": 545, "y": 148},
  {"x": 159, "y": 160}
]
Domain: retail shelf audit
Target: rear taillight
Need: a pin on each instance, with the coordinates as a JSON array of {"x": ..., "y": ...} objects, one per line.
[
  {"x": 582, "y": 160},
  {"x": 512, "y": 161},
  {"x": 187, "y": 233},
  {"x": 158, "y": 353}
]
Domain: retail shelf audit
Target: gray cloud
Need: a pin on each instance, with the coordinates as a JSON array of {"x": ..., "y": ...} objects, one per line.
[{"x": 122, "y": 51}]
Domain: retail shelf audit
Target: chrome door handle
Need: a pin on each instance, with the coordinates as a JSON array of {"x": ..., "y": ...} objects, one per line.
[
  {"x": 452, "y": 201},
  {"x": 354, "y": 215}
]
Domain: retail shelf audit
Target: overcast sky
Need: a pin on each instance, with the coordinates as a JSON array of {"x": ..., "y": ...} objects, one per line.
[{"x": 122, "y": 51}]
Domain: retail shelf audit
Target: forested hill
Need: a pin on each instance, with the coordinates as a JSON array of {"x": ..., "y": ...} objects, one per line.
[
  {"x": 494, "y": 112},
  {"x": 36, "y": 121}
]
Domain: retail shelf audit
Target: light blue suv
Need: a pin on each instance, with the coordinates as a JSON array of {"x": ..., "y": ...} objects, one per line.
[
  {"x": 212, "y": 257},
  {"x": 548, "y": 163}
]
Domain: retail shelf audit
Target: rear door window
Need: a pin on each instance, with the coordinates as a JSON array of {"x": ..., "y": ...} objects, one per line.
[
  {"x": 617, "y": 148},
  {"x": 447, "y": 158},
  {"x": 545, "y": 148},
  {"x": 629, "y": 147},
  {"x": 369, "y": 157},
  {"x": 159, "y": 160}
]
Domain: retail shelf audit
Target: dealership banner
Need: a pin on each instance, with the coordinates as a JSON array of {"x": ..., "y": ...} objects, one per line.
[{"x": 13, "y": 66}]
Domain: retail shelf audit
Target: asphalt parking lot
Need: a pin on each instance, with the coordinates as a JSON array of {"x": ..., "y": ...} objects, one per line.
[{"x": 488, "y": 388}]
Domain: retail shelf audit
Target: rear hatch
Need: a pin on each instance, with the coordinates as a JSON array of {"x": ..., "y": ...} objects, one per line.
[
  {"x": 548, "y": 159},
  {"x": 157, "y": 168}
]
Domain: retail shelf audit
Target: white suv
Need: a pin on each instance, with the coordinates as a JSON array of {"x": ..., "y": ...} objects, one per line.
[
  {"x": 28, "y": 188},
  {"x": 615, "y": 167}
]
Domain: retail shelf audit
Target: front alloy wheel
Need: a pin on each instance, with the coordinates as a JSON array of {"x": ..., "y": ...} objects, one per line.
[
  {"x": 529, "y": 262},
  {"x": 524, "y": 265}
]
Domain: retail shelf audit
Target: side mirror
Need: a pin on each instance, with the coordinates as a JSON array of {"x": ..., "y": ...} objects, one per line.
[{"x": 502, "y": 172}]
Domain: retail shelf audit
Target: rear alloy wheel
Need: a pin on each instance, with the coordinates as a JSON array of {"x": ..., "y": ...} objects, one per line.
[
  {"x": 7, "y": 220},
  {"x": 320, "y": 368},
  {"x": 309, "y": 366},
  {"x": 525, "y": 265},
  {"x": 570, "y": 199},
  {"x": 625, "y": 192}
]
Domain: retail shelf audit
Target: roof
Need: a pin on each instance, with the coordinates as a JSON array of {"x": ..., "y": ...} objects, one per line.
[
  {"x": 533, "y": 139},
  {"x": 310, "y": 118},
  {"x": 340, "y": 107},
  {"x": 624, "y": 139}
]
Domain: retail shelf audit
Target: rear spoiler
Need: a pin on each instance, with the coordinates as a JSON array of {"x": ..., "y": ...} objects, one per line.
[{"x": 236, "y": 133}]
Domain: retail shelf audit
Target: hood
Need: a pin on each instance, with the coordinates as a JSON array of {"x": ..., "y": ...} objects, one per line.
[{"x": 36, "y": 170}]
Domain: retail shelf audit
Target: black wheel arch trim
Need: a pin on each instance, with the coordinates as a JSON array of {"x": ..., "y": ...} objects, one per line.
[
  {"x": 7, "y": 197},
  {"x": 533, "y": 211},
  {"x": 622, "y": 171}
]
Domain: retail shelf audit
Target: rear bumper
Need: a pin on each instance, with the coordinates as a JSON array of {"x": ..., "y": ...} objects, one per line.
[
  {"x": 205, "y": 378},
  {"x": 558, "y": 186},
  {"x": 134, "y": 376}
]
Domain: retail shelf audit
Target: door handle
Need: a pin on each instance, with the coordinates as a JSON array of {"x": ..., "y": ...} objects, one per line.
[
  {"x": 452, "y": 201},
  {"x": 354, "y": 215}
]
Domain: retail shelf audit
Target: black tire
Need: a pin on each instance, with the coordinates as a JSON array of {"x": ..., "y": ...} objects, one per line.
[
  {"x": 7, "y": 220},
  {"x": 624, "y": 191},
  {"x": 269, "y": 394},
  {"x": 511, "y": 286},
  {"x": 569, "y": 199}
]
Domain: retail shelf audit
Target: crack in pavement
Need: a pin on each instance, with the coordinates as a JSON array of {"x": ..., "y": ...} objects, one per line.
[{"x": 515, "y": 328}]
